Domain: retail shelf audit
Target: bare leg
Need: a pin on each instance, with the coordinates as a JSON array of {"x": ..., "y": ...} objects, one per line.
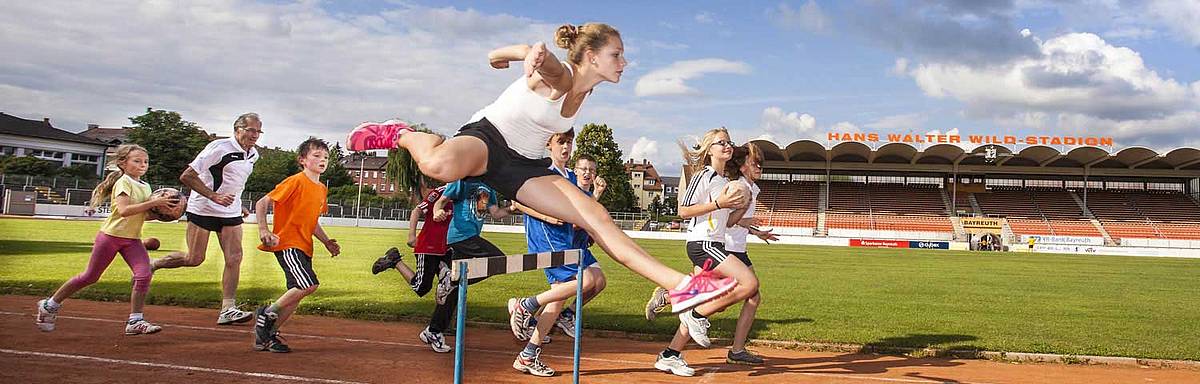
[
  {"x": 288, "y": 302},
  {"x": 747, "y": 286},
  {"x": 197, "y": 246},
  {"x": 746, "y": 320},
  {"x": 137, "y": 301},
  {"x": 681, "y": 338},
  {"x": 406, "y": 272},
  {"x": 446, "y": 160},
  {"x": 557, "y": 197},
  {"x": 545, "y": 321},
  {"x": 231, "y": 245}
]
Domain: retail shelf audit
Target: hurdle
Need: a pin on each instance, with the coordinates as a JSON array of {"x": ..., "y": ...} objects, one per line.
[{"x": 467, "y": 269}]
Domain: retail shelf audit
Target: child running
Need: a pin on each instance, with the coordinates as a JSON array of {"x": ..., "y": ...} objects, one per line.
[
  {"x": 707, "y": 201},
  {"x": 429, "y": 248},
  {"x": 121, "y": 232},
  {"x": 548, "y": 234},
  {"x": 299, "y": 201},
  {"x": 472, "y": 201},
  {"x": 748, "y": 159},
  {"x": 503, "y": 146}
]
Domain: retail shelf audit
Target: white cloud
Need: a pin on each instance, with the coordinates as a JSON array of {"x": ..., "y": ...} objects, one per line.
[
  {"x": 1079, "y": 79},
  {"x": 644, "y": 148},
  {"x": 1180, "y": 16},
  {"x": 783, "y": 127},
  {"x": 305, "y": 70},
  {"x": 845, "y": 127},
  {"x": 808, "y": 17},
  {"x": 705, "y": 18},
  {"x": 671, "y": 79},
  {"x": 906, "y": 121}
]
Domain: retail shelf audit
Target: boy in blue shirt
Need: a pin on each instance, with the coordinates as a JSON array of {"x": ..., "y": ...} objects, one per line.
[
  {"x": 473, "y": 200},
  {"x": 547, "y": 234}
]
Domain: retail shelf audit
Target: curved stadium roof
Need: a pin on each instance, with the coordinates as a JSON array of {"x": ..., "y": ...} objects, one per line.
[{"x": 1034, "y": 159}]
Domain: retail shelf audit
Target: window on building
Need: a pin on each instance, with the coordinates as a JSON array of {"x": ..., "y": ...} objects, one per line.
[
  {"x": 650, "y": 182},
  {"x": 81, "y": 158},
  {"x": 7, "y": 151},
  {"x": 46, "y": 155}
]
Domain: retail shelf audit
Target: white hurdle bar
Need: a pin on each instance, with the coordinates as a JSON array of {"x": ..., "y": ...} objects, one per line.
[{"x": 467, "y": 269}]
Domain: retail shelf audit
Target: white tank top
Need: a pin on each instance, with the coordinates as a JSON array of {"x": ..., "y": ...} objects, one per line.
[{"x": 526, "y": 119}]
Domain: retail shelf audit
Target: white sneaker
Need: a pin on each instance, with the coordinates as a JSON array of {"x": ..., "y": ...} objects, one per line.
[
  {"x": 675, "y": 364},
  {"x": 566, "y": 323},
  {"x": 233, "y": 315},
  {"x": 444, "y": 286},
  {"x": 141, "y": 327},
  {"x": 518, "y": 320},
  {"x": 45, "y": 317},
  {"x": 533, "y": 366},
  {"x": 435, "y": 341},
  {"x": 697, "y": 328}
]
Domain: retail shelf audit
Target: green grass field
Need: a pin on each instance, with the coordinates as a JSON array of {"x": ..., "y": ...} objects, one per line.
[{"x": 1068, "y": 304}]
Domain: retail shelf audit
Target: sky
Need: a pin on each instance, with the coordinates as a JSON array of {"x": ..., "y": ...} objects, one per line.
[{"x": 774, "y": 70}]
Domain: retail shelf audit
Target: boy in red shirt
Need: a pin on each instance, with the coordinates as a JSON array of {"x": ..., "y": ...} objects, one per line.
[{"x": 299, "y": 201}]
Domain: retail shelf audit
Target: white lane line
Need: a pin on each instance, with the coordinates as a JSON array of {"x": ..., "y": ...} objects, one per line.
[
  {"x": 846, "y": 376},
  {"x": 179, "y": 367}
]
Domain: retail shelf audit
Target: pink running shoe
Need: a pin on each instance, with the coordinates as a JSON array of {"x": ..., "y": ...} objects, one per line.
[
  {"x": 698, "y": 289},
  {"x": 370, "y": 135}
]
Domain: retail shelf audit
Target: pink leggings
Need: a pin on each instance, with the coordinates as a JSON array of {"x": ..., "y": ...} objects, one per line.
[{"x": 103, "y": 253}]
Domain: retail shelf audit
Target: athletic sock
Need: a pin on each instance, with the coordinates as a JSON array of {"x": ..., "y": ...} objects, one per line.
[
  {"x": 273, "y": 308},
  {"x": 530, "y": 304},
  {"x": 530, "y": 351},
  {"x": 670, "y": 353},
  {"x": 227, "y": 303},
  {"x": 697, "y": 315},
  {"x": 52, "y": 305},
  {"x": 135, "y": 317}
]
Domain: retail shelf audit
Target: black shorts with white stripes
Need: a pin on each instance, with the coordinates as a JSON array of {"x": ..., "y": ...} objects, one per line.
[
  {"x": 702, "y": 251},
  {"x": 297, "y": 268}
]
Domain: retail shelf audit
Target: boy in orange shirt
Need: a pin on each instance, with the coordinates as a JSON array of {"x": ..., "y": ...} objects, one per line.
[{"x": 299, "y": 201}]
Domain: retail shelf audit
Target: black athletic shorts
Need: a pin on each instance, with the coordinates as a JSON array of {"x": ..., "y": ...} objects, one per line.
[
  {"x": 213, "y": 224},
  {"x": 473, "y": 247},
  {"x": 742, "y": 256},
  {"x": 507, "y": 170},
  {"x": 297, "y": 268},
  {"x": 702, "y": 251}
]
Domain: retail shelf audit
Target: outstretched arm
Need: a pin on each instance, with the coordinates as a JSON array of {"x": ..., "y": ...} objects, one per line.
[
  {"x": 535, "y": 214},
  {"x": 538, "y": 60}
]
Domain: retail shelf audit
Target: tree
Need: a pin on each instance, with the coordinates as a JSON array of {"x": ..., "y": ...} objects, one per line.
[
  {"x": 275, "y": 165},
  {"x": 31, "y": 166},
  {"x": 670, "y": 205},
  {"x": 597, "y": 140},
  {"x": 336, "y": 174},
  {"x": 402, "y": 170},
  {"x": 171, "y": 141},
  {"x": 79, "y": 171}
]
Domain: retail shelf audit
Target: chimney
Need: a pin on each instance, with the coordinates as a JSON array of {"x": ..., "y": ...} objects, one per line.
[
  {"x": 93, "y": 126},
  {"x": 645, "y": 161},
  {"x": 46, "y": 120}
]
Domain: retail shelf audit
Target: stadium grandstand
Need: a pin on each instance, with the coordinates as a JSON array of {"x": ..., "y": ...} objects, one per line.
[{"x": 1084, "y": 195}]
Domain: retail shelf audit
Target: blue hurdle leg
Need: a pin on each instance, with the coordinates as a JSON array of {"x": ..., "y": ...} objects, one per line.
[
  {"x": 460, "y": 331},
  {"x": 578, "y": 318}
]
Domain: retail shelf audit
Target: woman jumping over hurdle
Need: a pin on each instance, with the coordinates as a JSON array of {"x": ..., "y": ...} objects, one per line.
[{"x": 503, "y": 145}]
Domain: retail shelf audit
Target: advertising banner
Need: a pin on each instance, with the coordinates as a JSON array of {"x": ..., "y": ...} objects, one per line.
[{"x": 1069, "y": 240}]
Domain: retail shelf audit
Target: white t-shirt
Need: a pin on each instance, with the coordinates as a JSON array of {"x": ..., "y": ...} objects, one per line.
[
  {"x": 224, "y": 167},
  {"x": 526, "y": 119},
  {"x": 704, "y": 187},
  {"x": 735, "y": 236}
]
